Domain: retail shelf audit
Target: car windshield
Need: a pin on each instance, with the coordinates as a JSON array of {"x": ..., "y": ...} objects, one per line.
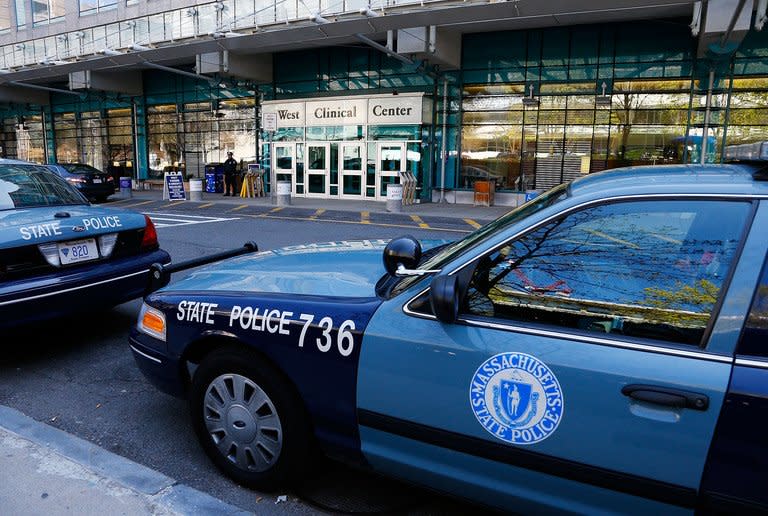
[
  {"x": 29, "y": 186},
  {"x": 74, "y": 168},
  {"x": 451, "y": 251}
]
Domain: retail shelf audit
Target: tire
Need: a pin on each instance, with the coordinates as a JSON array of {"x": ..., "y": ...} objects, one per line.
[{"x": 248, "y": 420}]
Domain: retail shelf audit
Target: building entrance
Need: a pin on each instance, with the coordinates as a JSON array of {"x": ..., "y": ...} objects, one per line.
[
  {"x": 351, "y": 163},
  {"x": 391, "y": 162},
  {"x": 318, "y": 161}
]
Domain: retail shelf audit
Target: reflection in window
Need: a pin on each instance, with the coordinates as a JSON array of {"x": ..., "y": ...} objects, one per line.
[
  {"x": 753, "y": 341},
  {"x": 94, "y": 6},
  {"x": 44, "y": 11},
  {"x": 640, "y": 269}
]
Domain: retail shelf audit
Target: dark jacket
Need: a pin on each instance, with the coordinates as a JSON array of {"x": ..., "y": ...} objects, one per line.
[{"x": 230, "y": 166}]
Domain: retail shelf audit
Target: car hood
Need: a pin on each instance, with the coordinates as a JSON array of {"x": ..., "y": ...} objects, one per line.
[
  {"x": 27, "y": 226},
  {"x": 338, "y": 269}
]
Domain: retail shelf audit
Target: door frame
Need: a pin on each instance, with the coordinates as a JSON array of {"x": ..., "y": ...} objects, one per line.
[
  {"x": 283, "y": 171},
  {"x": 361, "y": 173},
  {"x": 381, "y": 172},
  {"x": 309, "y": 171}
]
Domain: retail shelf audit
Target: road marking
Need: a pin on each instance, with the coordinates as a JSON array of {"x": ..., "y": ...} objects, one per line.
[
  {"x": 337, "y": 221},
  {"x": 275, "y": 210},
  {"x": 176, "y": 203},
  {"x": 473, "y": 223},
  {"x": 206, "y": 205},
  {"x": 364, "y": 217},
  {"x": 418, "y": 220},
  {"x": 165, "y": 220},
  {"x": 317, "y": 213},
  {"x": 239, "y": 207},
  {"x": 139, "y": 203}
]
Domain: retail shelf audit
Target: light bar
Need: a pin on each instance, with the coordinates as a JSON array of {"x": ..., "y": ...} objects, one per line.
[{"x": 757, "y": 151}]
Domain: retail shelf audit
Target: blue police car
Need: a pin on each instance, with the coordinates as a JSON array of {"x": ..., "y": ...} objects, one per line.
[
  {"x": 601, "y": 348},
  {"x": 60, "y": 255}
]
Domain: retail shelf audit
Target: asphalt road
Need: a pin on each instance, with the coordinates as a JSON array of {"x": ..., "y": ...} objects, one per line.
[{"x": 78, "y": 375}]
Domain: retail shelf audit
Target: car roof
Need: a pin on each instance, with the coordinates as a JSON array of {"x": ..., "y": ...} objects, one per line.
[
  {"x": 8, "y": 161},
  {"x": 723, "y": 179}
]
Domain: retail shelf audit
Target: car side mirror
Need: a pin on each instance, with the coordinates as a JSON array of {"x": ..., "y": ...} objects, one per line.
[
  {"x": 444, "y": 297},
  {"x": 401, "y": 253}
]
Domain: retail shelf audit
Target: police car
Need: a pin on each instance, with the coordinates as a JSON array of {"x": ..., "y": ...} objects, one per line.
[
  {"x": 601, "y": 348},
  {"x": 60, "y": 255}
]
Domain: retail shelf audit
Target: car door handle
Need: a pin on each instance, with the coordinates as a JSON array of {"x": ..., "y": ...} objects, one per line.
[{"x": 665, "y": 396}]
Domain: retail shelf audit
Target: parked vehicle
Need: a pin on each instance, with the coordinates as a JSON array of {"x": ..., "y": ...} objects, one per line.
[
  {"x": 92, "y": 182},
  {"x": 60, "y": 255},
  {"x": 598, "y": 349}
]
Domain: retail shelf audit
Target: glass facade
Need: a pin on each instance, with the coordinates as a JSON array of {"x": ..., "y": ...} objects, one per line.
[
  {"x": 541, "y": 107},
  {"x": 190, "y": 136}
]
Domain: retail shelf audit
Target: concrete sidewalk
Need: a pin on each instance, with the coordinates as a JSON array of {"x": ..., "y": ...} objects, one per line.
[
  {"x": 46, "y": 471},
  {"x": 434, "y": 209}
]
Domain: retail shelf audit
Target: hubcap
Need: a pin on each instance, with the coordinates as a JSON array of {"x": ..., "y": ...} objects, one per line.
[{"x": 242, "y": 422}]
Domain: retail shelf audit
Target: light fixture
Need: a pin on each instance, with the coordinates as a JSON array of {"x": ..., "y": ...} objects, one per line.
[
  {"x": 62, "y": 38},
  {"x": 20, "y": 46},
  {"x": 192, "y": 12},
  {"x": 530, "y": 100},
  {"x": 219, "y": 6},
  {"x": 603, "y": 100},
  {"x": 368, "y": 12},
  {"x": 220, "y": 35},
  {"x": 139, "y": 48},
  {"x": 110, "y": 52},
  {"x": 318, "y": 19}
]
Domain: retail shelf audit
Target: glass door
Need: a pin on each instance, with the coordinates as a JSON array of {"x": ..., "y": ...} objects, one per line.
[
  {"x": 351, "y": 166},
  {"x": 391, "y": 162},
  {"x": 317, "y": 163},
  {"x": 284, "y": 164}
]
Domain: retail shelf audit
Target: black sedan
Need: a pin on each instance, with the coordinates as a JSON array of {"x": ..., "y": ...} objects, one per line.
[{"x": 92, "y": 182}]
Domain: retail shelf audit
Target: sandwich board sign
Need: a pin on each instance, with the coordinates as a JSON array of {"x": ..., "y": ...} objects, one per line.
[{"x": 173, "y": 186}]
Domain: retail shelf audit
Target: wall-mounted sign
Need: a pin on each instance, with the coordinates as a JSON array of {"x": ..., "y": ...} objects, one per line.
[
  {"x": 286, "y": 114},
  {"x": 398, "y": 110},
  {"x": 336, "y": 112},
  {"x": 269, "y": 121},
  {"x": 402, "y": 109}
]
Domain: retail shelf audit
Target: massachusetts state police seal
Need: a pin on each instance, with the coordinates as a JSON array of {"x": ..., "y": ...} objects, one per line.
[{"x": 516, "y": 398}]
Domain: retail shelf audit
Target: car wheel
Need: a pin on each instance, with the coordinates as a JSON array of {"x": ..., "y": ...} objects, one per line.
[{"x": 248, "y": 420}]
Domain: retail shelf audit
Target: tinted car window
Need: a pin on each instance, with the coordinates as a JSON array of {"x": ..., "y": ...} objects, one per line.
[
  {"x": 753, "y": 341},
  {"x": 642, "y": 269},
  {"x": 28, "y": 186},
  {"x": 452, "y": 251},
  {"x": 80, "y": 169}
]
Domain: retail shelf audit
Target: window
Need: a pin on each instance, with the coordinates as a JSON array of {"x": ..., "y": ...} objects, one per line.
[
  {"x": 94, "y": 6},
  {"x": 45, "y": 11},
  {"x": 21, "y": 13},
  {"x": 651, "y": 269},
  {"x": 756, "y": 329}
]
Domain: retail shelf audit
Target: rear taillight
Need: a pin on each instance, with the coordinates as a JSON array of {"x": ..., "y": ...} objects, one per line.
[{"x": 149, "y": 242}]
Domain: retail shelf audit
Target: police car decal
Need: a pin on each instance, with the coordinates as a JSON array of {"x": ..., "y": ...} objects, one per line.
[
  {"x": 261, "y": 319},
  {"x": 516, "y": 398}
]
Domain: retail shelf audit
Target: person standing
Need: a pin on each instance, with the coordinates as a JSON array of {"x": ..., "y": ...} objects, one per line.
[{"x": 230, "y": 173}]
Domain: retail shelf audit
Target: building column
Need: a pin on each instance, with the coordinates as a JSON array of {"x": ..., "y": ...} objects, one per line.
[{"x": 140, "y": 141}]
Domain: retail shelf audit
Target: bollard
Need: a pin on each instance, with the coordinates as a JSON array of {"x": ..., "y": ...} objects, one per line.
[
  {"x": 195, "y": 189},
  {"x": 394, "y": 197},
  {"x": 283, "y": 193},
  {"x": 125, "y": 188}
]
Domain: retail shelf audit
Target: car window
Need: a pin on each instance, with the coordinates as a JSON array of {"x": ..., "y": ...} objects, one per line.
[
  {"x": 452, "y": 251},
  {"x": 27, "y": 186},
  {"x": 80, "y": 169},
  {"x": 651, "y": 269},
  {"x": 753, "y": 341}
]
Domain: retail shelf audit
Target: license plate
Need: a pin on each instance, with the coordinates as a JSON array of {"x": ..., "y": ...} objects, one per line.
[
  {"x": 96, "y": 180},
  {"x": 78, "y": 251}
]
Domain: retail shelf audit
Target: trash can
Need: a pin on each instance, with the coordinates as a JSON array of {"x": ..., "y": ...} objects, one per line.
[
  {"x": 125, "y": 187},
  {"x": 283, "y": 193},
  {"x": 394, "y": 197},
  {"x": 195, "y": 189},
  {"x": 484, "y": 192}
]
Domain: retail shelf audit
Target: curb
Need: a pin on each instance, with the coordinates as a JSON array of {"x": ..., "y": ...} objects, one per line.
[{"x": 148, "y": 483}]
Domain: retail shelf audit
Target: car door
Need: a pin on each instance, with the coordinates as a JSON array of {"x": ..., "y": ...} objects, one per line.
[{"x": 584, "y": 372}]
